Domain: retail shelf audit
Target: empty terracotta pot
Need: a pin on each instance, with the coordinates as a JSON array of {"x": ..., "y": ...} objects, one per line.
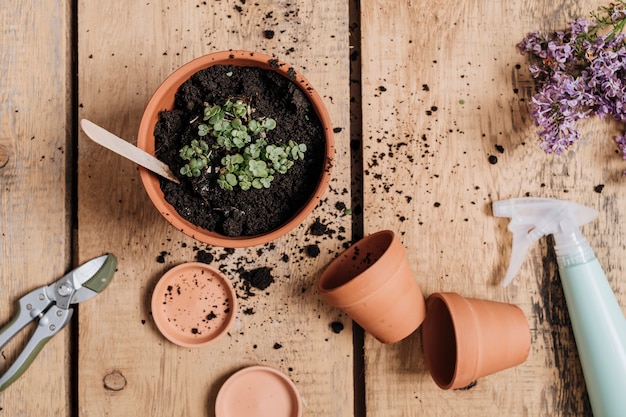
[
  {"x": 372, "y": 282},
  {"x": 465, "y": 338}
]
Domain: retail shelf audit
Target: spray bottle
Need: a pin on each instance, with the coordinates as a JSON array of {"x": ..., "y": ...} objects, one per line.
[{"x": 597, "y": 319}]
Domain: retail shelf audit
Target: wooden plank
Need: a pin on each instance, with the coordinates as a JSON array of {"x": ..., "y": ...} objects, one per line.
[
  {"x": 125, "y": 50},
  {"x": 442, "y": 93},
  {"x": 35, "y": 158}
]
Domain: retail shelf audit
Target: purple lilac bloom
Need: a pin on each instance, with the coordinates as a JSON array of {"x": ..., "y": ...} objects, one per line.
[
  {"x": 556, "y": 108},
  {"x": 551, "y": 53},
  {"x": 618, "y": 13},
  {"x": 605, "y": 79},
  {"x": 533, "y": 44},
  {"x": 578, "y": 72},
  {"x": 580, "y": 26}
]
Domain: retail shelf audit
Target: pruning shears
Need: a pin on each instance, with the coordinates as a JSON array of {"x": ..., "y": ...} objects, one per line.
[{"x": 51, "y": 306}]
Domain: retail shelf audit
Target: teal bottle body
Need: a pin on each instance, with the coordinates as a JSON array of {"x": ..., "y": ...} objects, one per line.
[{"x": 600, "y": 332}]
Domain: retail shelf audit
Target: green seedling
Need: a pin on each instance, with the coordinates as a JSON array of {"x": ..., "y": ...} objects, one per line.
[
  {"x": 197, "y": 155},
  {"x": 253, "y": 163}
]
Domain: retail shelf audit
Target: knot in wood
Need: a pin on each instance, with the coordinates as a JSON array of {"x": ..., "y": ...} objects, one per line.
[
  {"x": 4, "y": 156},
  {"x": 114, "y": 381}
]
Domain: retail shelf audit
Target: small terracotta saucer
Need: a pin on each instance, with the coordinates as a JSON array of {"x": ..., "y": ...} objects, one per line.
[
  {"x": 258, "y": 391},
  {"x": 193, "y": 304}
]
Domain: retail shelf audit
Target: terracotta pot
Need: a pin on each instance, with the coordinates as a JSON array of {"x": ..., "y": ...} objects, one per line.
[
  {"x": 465, "y": 338},
  {"x": 163, "y": 99},
  {"x": 372, "y": 282}
]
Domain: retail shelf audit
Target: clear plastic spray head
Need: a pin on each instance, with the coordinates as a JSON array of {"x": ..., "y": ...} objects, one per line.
[{"x": 534, "y": 218}]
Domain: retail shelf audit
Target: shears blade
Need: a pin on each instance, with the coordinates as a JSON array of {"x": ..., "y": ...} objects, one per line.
[{"x": 92, "y": 277}]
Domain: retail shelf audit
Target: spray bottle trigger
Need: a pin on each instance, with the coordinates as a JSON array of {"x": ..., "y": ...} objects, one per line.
[
  {"x": 522, "y": 240},
  {"x": 534, "y": 218}
]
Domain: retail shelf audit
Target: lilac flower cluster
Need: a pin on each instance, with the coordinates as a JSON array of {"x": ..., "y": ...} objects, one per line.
[{"x": 578, "y": 72}]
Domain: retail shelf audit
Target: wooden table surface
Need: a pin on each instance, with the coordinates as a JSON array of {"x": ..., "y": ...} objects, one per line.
[{"x": 421, "y": 94}]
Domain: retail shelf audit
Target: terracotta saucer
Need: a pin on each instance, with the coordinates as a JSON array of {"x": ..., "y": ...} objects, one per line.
[
  {"x": 258, "y": 391},
  {"x": 193, "y": 304}
]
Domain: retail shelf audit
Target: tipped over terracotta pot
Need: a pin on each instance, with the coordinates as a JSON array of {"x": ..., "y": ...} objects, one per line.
[
  {"x": 465, "y": 338},
  {"x": 372, "y": 282},
  {"x": 164, "y": 99}
]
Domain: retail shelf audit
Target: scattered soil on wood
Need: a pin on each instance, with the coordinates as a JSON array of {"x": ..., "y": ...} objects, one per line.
[
  {"x": 256, "y": 211},
  {"x": 259, "y": 278}
]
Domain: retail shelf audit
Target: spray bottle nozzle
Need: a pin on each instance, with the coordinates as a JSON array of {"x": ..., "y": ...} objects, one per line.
[{"x": 534, "y": 218}]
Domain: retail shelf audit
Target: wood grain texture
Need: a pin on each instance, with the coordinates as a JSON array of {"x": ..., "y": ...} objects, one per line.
[
  {"x": 35, "y": 151},
  {"x": 444, "y": 89},
  {"x": 126, "y": 49}
]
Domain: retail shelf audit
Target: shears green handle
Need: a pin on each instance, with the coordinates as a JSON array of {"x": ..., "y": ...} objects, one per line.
[{"x": 49, "y": 324}]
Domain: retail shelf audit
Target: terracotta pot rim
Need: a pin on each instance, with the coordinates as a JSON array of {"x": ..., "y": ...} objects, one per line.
[
  {"x": 365, "y": 296},
  {"x": 335, "y": 265},
  {"x": 165, "y": 94},
  {"x": 464, "y": 309},
  {"x": 446, "y": 298}
]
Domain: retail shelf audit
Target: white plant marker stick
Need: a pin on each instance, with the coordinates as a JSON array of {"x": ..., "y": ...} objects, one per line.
[{"x": 127, "y": 150}]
